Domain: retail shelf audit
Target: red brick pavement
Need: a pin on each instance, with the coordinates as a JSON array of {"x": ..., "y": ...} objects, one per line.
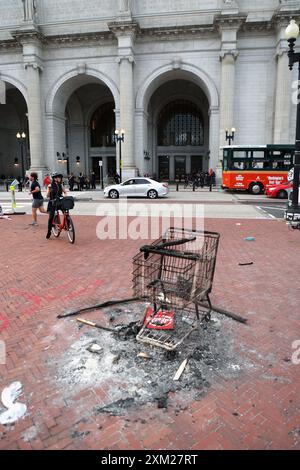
[{"x": 258, "y": 409}]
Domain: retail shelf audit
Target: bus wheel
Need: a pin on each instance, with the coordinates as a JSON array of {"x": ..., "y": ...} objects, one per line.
[{"x": 256, "y": 188}]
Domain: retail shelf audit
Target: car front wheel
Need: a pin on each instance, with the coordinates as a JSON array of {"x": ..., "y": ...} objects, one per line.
[
  {"x": 282, "y": 194},
  {"x": 113, "y": 194},
  {"x": 152, "y": 194}
]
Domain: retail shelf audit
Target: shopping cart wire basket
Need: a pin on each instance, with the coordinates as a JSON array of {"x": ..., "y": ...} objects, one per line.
[{"x": 176, "y": 273}]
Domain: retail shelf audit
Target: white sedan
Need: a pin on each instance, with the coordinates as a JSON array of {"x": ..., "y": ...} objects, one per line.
[{"x": 136, "y": 187}]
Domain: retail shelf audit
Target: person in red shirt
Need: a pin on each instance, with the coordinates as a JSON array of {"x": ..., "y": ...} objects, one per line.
[
  {"x": 47, "y": 181},
  {"x": 211, "y": 178}
]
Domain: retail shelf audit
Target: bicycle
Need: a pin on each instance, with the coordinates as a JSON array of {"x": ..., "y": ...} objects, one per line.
[
  {"x": 65, "y": 204},
  {"x": 188, "y": 184}
]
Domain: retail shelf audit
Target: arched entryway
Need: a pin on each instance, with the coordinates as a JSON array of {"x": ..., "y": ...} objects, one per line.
[
  {"x": 178, "y": 130},
  {"x": 195, "y": 97},
  {"x": 81, "y": 119},
  {"x": 14, "y": 134}
]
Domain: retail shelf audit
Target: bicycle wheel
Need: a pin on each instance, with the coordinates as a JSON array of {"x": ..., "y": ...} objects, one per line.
[
  {"x": 56, "y": 226},
  {"x": 70, "y": 229}
]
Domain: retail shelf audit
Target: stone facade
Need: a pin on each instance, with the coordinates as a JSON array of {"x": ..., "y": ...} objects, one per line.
[{"x": 61, "y": 60}]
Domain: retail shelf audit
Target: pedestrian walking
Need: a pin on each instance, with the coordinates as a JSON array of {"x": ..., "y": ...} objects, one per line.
[
  {"x": 93, "y": 180},
  {"x": 81, "y": 182},
  {"x": 47, "y": 181},
  {"x": 19, "y": 179},
  {"x": 211, "y": 177},
  {"x": 71, "y": 181},
  {"x": 201, "y": 179},
  {"x": 38, "y": 200}
]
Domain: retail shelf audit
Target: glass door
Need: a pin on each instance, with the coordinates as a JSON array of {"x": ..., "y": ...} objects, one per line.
[
  {"x": 180, "y": 167},
  {"x": 96, "y": 167},
  {"x": 196, "y": 163},
  {"x": 163, "y": 167},
  {"x": 111, "y": 166}
]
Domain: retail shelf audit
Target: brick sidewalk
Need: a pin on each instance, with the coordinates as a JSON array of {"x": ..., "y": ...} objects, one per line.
[{"x": 256, "y": 408}]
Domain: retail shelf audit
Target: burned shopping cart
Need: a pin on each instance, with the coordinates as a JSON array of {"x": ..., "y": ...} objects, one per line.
[{"x": 175, "y": 274}]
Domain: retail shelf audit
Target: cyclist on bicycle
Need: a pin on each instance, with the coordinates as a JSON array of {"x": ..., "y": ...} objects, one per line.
[{"x": 55, "y": 192}]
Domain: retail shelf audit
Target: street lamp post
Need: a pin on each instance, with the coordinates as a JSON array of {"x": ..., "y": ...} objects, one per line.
[
  {"x": 293, "y": 213},
  {"x": 230, "y": 137},
  {"x": 120, "y": 138},
  {"x": 21, "y": 136}
]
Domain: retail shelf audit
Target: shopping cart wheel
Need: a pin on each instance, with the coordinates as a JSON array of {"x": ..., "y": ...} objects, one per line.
[{"x": 207, "y": 317}]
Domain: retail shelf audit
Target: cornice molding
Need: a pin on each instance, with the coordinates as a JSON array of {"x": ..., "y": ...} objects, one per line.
[
  {"x": 31, "y": 34},
  {"x": 9, "y": 44},
  {"x": 238, "y": 22},
  {"x": 80, "y": 38},
  {"x": 230, "y": 21},
  {"x": 165, "y": 32}
]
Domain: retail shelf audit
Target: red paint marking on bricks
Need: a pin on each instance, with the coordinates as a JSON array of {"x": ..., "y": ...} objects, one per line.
[
  {"x": 82, "y": 291},
  {"x": 4, "y": 322}
]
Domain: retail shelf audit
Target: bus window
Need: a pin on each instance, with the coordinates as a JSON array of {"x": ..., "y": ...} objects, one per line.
[
  {"x": 282, "y": 164},
  {"x": 268, "y": 165},
  {"x": 240, "y": 154},
  {"x": 238, "y": 164},
  {"x": 225, "y": 164},
  {"x": 258, "y": 165},
  {"x": 258, "y": 154}
]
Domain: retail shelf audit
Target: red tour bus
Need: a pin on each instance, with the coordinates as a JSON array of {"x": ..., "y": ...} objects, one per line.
[{"x": 253, "y": 168}]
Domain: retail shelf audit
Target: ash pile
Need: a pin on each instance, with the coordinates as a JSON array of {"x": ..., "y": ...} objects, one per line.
[
  {"x": 135, "y": 373},
  {"x": 166, "y": 338}
]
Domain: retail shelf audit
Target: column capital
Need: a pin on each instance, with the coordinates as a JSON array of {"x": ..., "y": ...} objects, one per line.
[
  {"x": 130, "y": 59},
  {"x": 35, "y": 64},
  {"x": 230, "y": 52},
  {"x": 280, "y": 51}
]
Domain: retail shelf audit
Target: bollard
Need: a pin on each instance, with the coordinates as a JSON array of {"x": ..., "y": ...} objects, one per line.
[
  {"x": 177, "y": 187},
  {"x": 193, "y": 187},
  {"x": 13, "y": 198}
]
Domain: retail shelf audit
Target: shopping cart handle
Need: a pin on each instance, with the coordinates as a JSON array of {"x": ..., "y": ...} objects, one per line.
[
  {"x": 161, "y": 246},
  {"x": 147, "y": 249}
]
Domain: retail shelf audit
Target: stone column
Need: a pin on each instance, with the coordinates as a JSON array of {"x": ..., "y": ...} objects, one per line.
[
  {"x": 2, "y": 92},
  {"x": 214, "y": 126},
  {"x": 127, "y": 114},
  {"x": 283, "y": 89},
  {"x": 31, "y": 39},
  {"x": 125, "y": 31},
  {"x": 172, "y": 167},
  {"x": 227, "y": 93},
  {"x": 35, "y": 116}
]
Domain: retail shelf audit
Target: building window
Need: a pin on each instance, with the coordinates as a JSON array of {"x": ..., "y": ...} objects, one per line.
[
  {"x": 180, "y": 123},
  {"x": 103, "y": 126}
]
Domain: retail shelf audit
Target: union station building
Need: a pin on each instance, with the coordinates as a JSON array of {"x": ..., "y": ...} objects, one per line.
[{"x": 173, "y": 74}]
